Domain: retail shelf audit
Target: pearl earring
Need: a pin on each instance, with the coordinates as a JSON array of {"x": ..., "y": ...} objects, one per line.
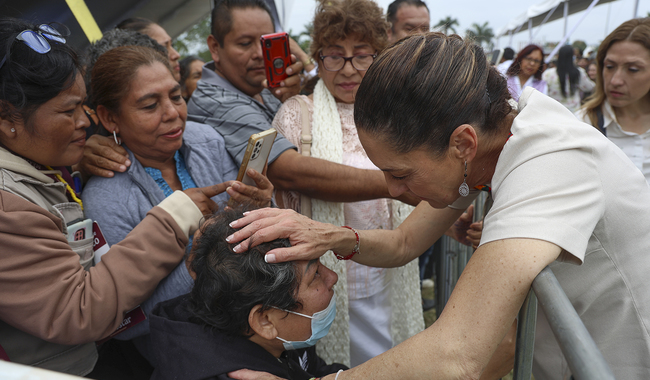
[{"x": 13, "y": 130}]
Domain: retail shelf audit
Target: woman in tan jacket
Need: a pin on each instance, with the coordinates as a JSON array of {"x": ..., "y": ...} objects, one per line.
[{"x": 54, "y": 304}]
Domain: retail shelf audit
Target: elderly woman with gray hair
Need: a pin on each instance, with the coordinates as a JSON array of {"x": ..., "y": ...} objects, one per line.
[{"x": 244, "y": 313}]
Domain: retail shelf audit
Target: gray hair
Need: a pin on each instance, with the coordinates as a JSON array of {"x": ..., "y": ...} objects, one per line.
[
  {"x": 112, "y": 39},
  {"x": 228, "y": 284}
]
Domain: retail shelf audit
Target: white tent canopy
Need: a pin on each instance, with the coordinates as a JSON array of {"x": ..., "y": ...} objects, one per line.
[{"x": 546, "y": 11}]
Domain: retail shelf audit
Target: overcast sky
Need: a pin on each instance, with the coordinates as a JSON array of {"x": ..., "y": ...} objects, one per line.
[{"x": 499, "y": 12}]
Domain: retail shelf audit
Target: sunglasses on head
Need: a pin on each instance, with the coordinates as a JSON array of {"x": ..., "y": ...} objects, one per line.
[{"x": 37, "y": 39}]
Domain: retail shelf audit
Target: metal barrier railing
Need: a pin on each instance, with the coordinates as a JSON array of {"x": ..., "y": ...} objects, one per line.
[
  {"x": 525, "y": 338},
  {"x": 583, "y": 356}
]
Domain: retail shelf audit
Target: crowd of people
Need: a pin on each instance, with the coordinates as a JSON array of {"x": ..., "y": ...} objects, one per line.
[{"x": 130, "y": 250}]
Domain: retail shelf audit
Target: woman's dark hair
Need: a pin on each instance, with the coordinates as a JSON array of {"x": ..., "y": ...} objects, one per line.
[
  {"x": 136, "y": 24},
  {"x": 228, "y": 284},
  {"x": 418, "y": 91},
  {"x": 114, "y": 71},
  {"x": 29, "y": 79},
  {"x": 221, "y": 21},
  {"x": 185, "y": 64},
  {"x": 635, "y": 30},
  {"x": 337, "y": 20},
  {"x": 565, "y": 67},
  {"x": 515, "y": 67}
]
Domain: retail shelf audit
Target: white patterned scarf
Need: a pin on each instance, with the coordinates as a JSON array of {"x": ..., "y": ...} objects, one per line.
[{"x": 406, "y": 319}]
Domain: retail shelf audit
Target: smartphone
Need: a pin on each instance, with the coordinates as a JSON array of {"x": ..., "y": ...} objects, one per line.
[
  {"x": 277, "y": 57},
  {"x": 257, "y": 153}
]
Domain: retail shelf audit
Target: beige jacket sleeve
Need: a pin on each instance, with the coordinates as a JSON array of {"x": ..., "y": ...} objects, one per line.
[{"x": 44, "y": 290}]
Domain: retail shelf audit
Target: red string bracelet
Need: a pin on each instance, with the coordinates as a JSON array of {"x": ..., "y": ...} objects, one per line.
[{"x": 355, "y": 250}]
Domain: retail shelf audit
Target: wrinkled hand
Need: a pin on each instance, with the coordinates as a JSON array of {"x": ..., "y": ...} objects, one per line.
[
  {"x": 300, "y": 55},
  {"x": 309, "y": 239},
  {"x": 201, "y": 196},
  {"x": 474, "y": 233},
  {"x": 464, "y": 231},
  {"x": 247, "y": 374},
  {"x": 102, "y": 157},
  {"x": 259, "y": 195},
  {"x": 291, "y": 85}
]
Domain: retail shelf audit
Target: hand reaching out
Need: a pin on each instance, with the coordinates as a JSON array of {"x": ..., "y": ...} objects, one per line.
[
  {"x": 259, "y": 195},
  {"x": 102, "y": 157}
]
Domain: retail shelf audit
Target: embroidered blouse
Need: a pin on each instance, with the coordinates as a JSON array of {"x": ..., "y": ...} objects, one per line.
[{"x": 181, "y": 170}]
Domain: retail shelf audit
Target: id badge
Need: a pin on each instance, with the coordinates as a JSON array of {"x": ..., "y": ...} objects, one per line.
[{"x": 100, "y": 246}]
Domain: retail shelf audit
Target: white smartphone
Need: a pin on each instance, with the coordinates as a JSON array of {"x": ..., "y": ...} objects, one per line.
[{"x": 257, "y": 154}]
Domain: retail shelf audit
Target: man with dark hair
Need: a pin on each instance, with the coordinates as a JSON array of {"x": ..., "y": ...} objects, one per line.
[
  {"x": 407, "y": 17},
  {"x": 231, "y": 98},
  {"x": 243, "y": 313}
]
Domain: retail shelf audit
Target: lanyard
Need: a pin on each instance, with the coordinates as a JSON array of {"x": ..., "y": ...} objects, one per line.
[{"x": 67, "y": 186}]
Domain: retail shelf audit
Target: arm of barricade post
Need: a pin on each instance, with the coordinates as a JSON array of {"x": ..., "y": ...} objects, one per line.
[
  {"x": 525, "y": 338},
  {"x": 583, "y": 356}
]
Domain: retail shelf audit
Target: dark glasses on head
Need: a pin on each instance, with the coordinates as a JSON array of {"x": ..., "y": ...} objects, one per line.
[{"x": 37, "y": 40}]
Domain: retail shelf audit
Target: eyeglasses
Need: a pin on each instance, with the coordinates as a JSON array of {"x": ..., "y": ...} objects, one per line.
[
  {"x": 360, "y": 62},
  {"x": 37, "y": 40},
  {"x": 533, "y": 60}
]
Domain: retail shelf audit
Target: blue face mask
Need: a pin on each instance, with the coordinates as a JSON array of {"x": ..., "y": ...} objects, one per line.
[{"x": 320, "y": 325}]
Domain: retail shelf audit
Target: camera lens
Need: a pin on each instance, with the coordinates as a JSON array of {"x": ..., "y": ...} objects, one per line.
[{"x": 268, "y": 43}]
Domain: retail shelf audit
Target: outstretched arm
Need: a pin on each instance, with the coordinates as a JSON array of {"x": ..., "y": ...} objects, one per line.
[
  {"x": 327, "y": 180},
  {"x": 311, "y": 239},
  {"x": 475, "y": 320}
]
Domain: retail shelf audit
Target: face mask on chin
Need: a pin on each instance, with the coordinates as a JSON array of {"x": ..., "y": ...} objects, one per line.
[{"x": 321, "y": 322}]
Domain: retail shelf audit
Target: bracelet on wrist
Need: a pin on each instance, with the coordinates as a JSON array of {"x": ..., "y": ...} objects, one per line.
[{"x": 355, "y": 250}]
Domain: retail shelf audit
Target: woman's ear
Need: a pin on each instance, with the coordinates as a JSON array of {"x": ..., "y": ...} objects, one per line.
[
  {"x": 262, "y": 322},
  {"x": 464, "y": 142},
  {"x": 108, "y": 119},
  {"x": 8, "y": 129}
]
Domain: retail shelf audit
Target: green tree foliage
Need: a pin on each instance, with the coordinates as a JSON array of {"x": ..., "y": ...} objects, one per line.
[
  {"x": 303, "y": 38},
  {"x": 446, "y": 24},
  {"x": 194, "y": 40},
  {"x": 481, "y": 34}
]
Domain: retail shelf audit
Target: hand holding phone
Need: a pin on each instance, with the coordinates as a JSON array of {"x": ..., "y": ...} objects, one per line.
[
  {"x": 277, "y": 57},
  {"x": 257, "y": 154},
  {"x": 255, "y": 157}
]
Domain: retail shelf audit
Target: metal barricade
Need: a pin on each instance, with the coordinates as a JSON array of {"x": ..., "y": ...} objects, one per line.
[
  {"x": 451, "y": 257},
  {"x": 583, "y": 356}
]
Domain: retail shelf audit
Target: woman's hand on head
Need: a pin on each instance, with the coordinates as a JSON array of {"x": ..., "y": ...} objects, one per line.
[
  {"x": 201, "y": 196},
  {"x": 290, "y": 86},
  {"x": 259, "y": 195},
  {"x": 309, "y": 239},
  {"x": 247, "y": 374},
  {"x": 102, "y": 157}
]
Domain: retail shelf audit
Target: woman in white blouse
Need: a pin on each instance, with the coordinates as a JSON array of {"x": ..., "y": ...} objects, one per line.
[
  {"x": 566, "y": 81},
  {"x": 620, "y": 106},
  {"x": 526, "y": 71}
]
